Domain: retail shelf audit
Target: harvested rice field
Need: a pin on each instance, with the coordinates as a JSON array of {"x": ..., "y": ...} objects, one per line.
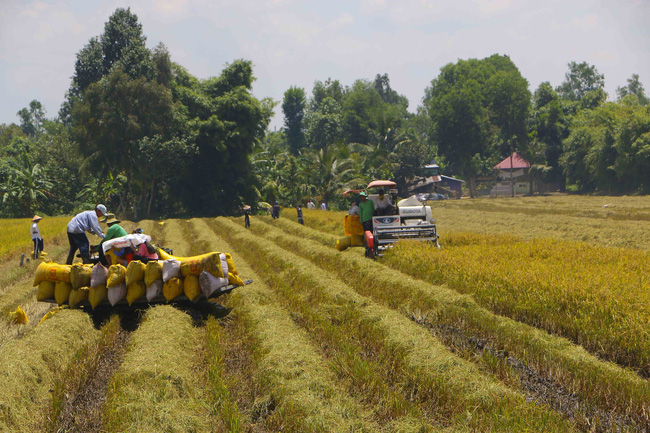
[{"x": 533, "y": 316}]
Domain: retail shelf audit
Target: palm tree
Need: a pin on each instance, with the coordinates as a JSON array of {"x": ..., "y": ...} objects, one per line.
[
  {"x": 329, "y": 170},
  {"x": 25, "y": 185}
]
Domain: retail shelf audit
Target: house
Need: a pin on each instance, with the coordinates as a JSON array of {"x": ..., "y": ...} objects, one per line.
[
  {"x": 512, "y": 172},
  {"x": 433, "y": 182}
]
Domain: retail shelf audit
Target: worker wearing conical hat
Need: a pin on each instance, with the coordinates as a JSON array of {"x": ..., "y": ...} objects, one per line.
[{"x": 36, "y": 236}]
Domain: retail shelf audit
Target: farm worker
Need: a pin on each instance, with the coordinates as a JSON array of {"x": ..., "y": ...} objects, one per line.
[
  {"x": 275, "y": 210},
  {"x": 247, "y": 216},
  {"x": 323, "y": 206},
  {"x": 36, "y": 236},
  {"x": 300, "y": 215},
  {"x": 114, "y": 231},
  {"x": 354, "y": 209},
  {"x": 86, "y": 221},
  {"x": 382, "y": 203},
  {"x": 311, "y": 205},
  {"x": 366, "y": 209},
  {"x": 145, "y": 252}
]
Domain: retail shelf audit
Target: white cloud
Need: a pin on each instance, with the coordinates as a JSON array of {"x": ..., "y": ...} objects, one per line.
[
  {"x": 585, "y": 23},
  {"x": 492, "y": 6}
]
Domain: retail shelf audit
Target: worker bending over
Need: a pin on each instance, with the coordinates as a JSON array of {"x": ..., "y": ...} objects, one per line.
[{"x": 84, "y": 222}]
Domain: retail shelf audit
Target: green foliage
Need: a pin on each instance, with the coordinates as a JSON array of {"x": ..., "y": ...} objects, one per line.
[
  {"x": 609, "y": 148},
  {"x": 634, "y": 87},
  {"x": 479, "y": 111},
  {"x": 293, "y": 107},
  {"x": 583, "y": 85}
]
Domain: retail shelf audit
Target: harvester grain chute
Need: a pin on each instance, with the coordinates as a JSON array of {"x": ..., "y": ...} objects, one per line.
[{"x": 407, "y": 219}]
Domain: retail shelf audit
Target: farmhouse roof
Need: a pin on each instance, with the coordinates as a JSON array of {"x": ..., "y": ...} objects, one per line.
[{"x": 517, "y": 162}]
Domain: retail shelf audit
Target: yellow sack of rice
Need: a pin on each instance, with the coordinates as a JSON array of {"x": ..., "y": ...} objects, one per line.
[
  {"x": 77, "y": 296},
  {"x": 62, "y": 292},
  {"x": 172, "y": 288},
  {"x": 135, "y": 272},
  {"x": 231, "y": 265},
  {"x": 343, "y": 243},
  {"x": 191, "y": 287},
  {"x": 353, "y": 225},
  {"x": 116, "y": 275},
  {"x": 45, "y": 290},
  {"x": 80, "y": 276},
  {"x": 235, "y": 279},
  {"x": 356, "y": 240},
  {"x": 116, "y": 293},
  {"x": 97, "y": 294},
  {"x": 134, "y": 291},
  {"x": 49, "y": 271},
  {"x": 207, "y": 262},
  {"x": 152, "y": 272}
]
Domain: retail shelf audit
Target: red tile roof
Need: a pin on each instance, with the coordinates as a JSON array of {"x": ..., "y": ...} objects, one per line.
[{"x": 517, "y": 162}]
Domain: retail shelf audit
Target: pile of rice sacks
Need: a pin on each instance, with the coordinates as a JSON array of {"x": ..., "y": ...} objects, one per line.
[{"x": 170, "y": 277}]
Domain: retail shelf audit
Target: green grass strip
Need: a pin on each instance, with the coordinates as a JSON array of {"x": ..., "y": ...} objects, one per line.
[
  {"x": 29, "y": 368},
  {"x": 426, "y": 371},
  {"x": 602, "y": 384}
]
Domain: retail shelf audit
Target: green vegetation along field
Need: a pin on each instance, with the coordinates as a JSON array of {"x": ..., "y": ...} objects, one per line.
[{"x": 501, "y": 330}]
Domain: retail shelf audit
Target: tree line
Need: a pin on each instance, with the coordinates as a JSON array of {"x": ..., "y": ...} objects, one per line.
[{"x": 137, "y": 131}]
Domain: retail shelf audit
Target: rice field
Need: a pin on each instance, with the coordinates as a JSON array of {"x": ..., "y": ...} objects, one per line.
[{"x": 501, "y": 330}]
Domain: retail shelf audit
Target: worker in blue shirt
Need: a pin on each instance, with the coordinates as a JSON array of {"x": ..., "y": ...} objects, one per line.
[{"x": 87, "y": 221}]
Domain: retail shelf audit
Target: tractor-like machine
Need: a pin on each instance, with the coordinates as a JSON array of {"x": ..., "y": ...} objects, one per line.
[{"x": 405, "y": 219}]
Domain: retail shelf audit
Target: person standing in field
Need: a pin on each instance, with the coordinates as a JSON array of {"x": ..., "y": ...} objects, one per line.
[
  {"x": 366, "y": 209},
  {"x": 310, "y": 204},
  {"x": 299, "y": 209},
  {"x": 36, "y": 236},
  {"x": 323, "y": 206},
  {"x": 354, "y": 209},
  {"x": 247, "y": 216},
  {"x": 275, "y": 210},
  {"x": 86, "y": 221}
]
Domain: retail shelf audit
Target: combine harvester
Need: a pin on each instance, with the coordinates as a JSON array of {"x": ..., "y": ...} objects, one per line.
[
  {"x": 170, "y": 279},
  {"x": 408, "y": 219}
]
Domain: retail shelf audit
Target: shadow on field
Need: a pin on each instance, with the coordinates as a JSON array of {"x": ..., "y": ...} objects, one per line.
[{"x": 130, "y": 316}]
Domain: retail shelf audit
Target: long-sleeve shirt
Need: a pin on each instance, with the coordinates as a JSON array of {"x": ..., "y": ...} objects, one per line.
[
  {"x": 85, "y": 222},
  {"x": 366, "y": 209},
  {"x": 36, "y": 233},
  {"x": 114, "y": 231}
]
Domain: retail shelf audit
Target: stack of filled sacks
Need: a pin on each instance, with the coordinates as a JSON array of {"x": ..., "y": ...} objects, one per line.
[
  {"x": 198, "y": 274},
  {"x": 170, "y": 277}
]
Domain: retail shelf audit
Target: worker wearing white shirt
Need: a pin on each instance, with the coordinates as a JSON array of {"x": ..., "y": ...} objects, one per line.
[
  {"x": 383, "y": 206},
  {"x": 84, "y": 222},
  {"x": 36, "y": 236}
]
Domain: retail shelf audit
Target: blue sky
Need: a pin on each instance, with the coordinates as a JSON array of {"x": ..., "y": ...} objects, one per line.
[{"x": 294, "y": 43}]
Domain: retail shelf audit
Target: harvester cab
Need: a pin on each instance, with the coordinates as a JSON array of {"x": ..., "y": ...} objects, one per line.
[{"x": 404, "y": 219}]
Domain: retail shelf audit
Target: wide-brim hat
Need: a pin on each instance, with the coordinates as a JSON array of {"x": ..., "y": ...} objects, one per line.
[
  {"x": 36, "y": 218},
  {"x": 110, "y": 219}
]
